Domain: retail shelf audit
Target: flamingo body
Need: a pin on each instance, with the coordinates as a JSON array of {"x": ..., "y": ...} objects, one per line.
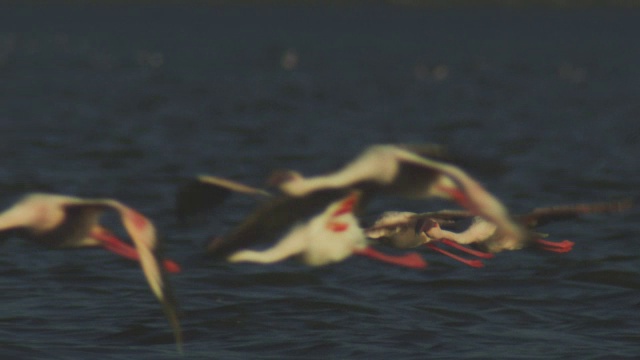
[
  {"x": 379, "y": 169},
  {"x": 60, "y": 221},
  {"x": 406, "y": 229},
  {"x": 329, "y": 237},
  {"x": 396, "y": 170}
]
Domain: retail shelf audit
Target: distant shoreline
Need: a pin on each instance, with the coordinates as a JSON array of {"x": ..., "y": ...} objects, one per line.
[{"x": 406, "y": 3}]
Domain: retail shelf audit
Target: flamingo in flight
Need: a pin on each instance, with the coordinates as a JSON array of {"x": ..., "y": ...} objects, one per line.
[
  {"x": 328, "y": 237},
  {"x": 379, "y": 169},
  {"x": 276, "y": 215},
  {"x": 60, "y": 221},
  {"x": 406, "y": 230},
  {"x": 397, "y": 170}
]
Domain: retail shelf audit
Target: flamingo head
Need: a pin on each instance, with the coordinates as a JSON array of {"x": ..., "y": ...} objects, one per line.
[{"x": 428, "y": 229}]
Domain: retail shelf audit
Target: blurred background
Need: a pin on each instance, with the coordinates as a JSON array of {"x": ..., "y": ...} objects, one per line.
[{"x": 536, "y": 99}]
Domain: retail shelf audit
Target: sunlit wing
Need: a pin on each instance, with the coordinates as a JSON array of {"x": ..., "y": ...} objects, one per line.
[
  {"x": 292, "y": 244},
  {"x": 143, "y": 234},
  {"x": 271, "y": 220},
  {"x": 35, "y": 212},
  {"x": 232, "y": 185},
  {"x": 67, "y": 221},
  {"x": 328, "y": 237},
  {"x": 52, "y": 220},
  {"x": 473, "y": 195}
]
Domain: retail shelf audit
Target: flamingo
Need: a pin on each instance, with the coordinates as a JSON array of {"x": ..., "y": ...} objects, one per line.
[
  {"x": 406, "y": 230},
  {"x": 60, "y": 221},
  {"x": 380, "y": 169},
  {"x": 397, "y": 170},
  {"x": 277, "y": 214},
  {"x": 326, "y": 238}
]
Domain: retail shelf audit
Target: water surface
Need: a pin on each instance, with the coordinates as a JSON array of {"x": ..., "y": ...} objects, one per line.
[{"x": 130, "y": 101}]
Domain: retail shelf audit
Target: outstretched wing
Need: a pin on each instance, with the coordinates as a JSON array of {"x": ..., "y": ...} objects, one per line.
[
  {"x": 75, "y": 230},
  {"x": 52, "y": 220},
  {"x": 143, "y": 234},
  {"x": 292, "y": 244},
  {"x": 271, "y": 220},
  {"x": 454, "y": 183},
  {"x": 399, "y": 225},
  {"x": 447, "y": 216},
  {"x": 206, "y": 192},
  {"x": 390, "y": 222},
  {"x": 430, "y": 150},
  {"x": 397, "y": 170},
  {"x": 66, "y": 221},
  {"x": 545, "y": 215}
]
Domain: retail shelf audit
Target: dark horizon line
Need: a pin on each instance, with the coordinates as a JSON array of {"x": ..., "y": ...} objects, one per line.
[{"x": 407, "y": 3}]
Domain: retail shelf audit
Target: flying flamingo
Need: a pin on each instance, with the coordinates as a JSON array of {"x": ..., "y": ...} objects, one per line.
[
  {"x": 406, "y": 230},
  {"x": 397, "y": 170},
  {"x": 329, "y": 237},
  {"x": 380, "y": 169},
  {"x": 59, "y": 221}
]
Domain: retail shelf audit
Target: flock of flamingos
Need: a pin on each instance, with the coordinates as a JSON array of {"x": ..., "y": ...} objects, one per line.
[{"x": 314, "y": 218}]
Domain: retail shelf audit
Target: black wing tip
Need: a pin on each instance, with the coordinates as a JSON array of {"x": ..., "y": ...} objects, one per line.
[
  {"x": 195, "y": 197},
  {"x": 217, "y": 247}
]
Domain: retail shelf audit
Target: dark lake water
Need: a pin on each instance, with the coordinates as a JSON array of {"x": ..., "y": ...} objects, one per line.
[{"x": 128, "y": 102}]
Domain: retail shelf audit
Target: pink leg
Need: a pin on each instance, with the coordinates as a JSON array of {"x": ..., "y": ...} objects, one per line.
[
  {"x": 411, "y": 260},
  {"x": 477, "y": 253},
  {"x": 555, "y": 246},
  {"x": 473, "y": 263},
  {"x": 115, "y": 245}
]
